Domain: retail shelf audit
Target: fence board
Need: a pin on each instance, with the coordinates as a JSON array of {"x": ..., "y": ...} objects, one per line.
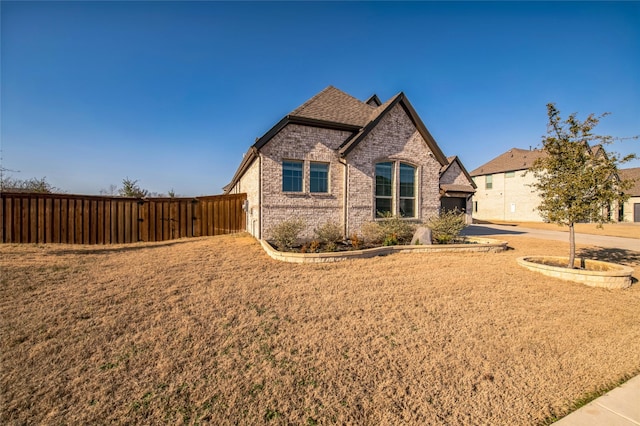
[
  {"x": 2, "y": 213},
  {"x": 78, "y": 219},
  {"x": 126, "y": 219}
]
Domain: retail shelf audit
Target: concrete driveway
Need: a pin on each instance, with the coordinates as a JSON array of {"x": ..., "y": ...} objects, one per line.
[{"x": 620, "y": 243}]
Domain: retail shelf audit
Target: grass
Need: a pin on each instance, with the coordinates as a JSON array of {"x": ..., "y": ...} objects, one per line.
[{"x": 212, "y": 330}]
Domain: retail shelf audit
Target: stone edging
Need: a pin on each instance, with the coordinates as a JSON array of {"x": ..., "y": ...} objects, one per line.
[
  {"x": 617, "y": 276},
  {"x": 483, "y": 245}
]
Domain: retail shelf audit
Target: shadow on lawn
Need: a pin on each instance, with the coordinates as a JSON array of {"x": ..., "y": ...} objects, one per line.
[{"x": 614, "y": 255}]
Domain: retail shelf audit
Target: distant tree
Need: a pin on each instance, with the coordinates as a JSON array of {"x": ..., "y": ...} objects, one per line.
[
  {"x": 577, "y": 182},
  {"x": 130, "y": 188},
  {"x": 10, "y": 184},
  {"x": 111, "y": 190},
  {"x": 172, "y": 193}
]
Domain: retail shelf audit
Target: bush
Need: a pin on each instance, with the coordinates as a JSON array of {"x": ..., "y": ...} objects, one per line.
[
  {"x": 390, "y": 240},
  {"x": 372, "y": 233},
  {"x": 355, "y": 240},
  {"x": 285, "y": 234},
  {"x": 390, "y": 230},
  {"x": 446, "y": 227},
  {"x": 395, "y": 228},
  {"x": 329, "y": 232}
]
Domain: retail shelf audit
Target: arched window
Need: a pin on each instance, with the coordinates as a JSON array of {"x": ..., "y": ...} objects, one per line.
[{"x": 395, "y": 192}]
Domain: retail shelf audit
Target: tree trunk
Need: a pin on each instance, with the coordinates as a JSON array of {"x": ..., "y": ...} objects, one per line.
[{"x": 572, "y": 245}]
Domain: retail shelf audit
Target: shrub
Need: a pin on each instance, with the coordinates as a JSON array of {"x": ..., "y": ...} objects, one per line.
[
  {"x": 372, "y": 233},
  {"x": 356, "y": 242},
  {"x": 400, "y": 229},
  {"x": 447, "y": 226},
  {"x": 389, "y": 230},
  {"x": 314, "y": 246},
  {"x": 329, "y": 232},
  {"x": 330, "y": 246},
  {"x": 285, "y": 234},
  {"x": 390, "y": 240}
]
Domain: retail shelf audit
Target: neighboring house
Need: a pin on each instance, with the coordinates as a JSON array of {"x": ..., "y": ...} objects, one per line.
[
  {"x": 631, "y": 209},
  {"x": 505, "y": 193},
  {"x": 339, "y": 159}
]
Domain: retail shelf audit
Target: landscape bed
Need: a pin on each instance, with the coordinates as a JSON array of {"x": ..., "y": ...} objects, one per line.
[
  {"x": 213, "y": 330},
  {"x": 470, "y": 244}
]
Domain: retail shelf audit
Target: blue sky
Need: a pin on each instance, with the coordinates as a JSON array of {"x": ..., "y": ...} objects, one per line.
[{"x": 173, "y": 93}]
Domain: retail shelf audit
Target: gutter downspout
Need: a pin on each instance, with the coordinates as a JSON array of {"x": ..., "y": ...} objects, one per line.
[
  {"x": 345, "y": 215},
  {"x": 259, "y": 196}
]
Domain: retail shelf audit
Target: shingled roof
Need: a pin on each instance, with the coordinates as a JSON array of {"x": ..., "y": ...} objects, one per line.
[
  {"x": 334, "y": 109},
  {"x": 512, "y": 160},
  {"x": 335, "y": 106},
  {"x": 631, "y": 174}
]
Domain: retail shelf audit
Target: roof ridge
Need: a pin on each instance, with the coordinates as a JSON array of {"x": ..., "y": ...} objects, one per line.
[
  {"x": 507, "y": 161},
  {"x": 312, "y": 99},
  {"x": 334, "y": 105}
]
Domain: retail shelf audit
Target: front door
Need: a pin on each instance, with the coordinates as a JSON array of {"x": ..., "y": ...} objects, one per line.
[{"x": 636, "y": 212}]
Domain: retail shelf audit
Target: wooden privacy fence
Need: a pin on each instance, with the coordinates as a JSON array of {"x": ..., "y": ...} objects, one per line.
[{"x": 79, "y": 219}]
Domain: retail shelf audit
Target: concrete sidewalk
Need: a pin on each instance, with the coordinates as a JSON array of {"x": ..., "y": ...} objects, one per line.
[
  {"x": 585, "y": 239},
  {"x": 619, "y": 407}
]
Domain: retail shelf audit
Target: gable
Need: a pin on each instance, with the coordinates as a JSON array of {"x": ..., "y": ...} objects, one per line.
[
  {"x": 336, "y": 110},
  {"x": 393, "y": 137},
  {"x": 380, "y": 113},
  {"x": 454, "y": 177}
]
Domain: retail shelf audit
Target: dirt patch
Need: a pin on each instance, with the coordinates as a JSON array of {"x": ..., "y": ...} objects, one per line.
[
  {"x": 213, "y": 330},
  {"x": 582, "y": 265}
]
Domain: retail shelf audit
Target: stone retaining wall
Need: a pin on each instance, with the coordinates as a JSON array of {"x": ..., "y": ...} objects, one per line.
[{"x": 481, "y": 245}]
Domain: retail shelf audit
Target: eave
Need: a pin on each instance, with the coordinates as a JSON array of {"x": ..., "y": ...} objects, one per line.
[{"x": 401, "y": 99}]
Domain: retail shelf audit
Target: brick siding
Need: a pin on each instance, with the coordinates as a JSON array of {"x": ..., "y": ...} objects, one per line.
[
  {"x": 395, "y": 138},
  {"x": 296, "y": 142}
]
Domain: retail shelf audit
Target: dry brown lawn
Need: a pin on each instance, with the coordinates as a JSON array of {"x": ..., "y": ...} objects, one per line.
[
  {"x": 213, "y": 331},
  {"x": 619, "y": 229}
]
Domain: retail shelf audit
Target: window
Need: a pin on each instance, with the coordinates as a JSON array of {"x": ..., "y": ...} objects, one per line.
[
  {"x": 319, "y": 177},
  {"x": 384, "y": 182},
  {"x": 392, "y": 199},
  {"x": 407, "y": 190},
  {"x": 292, "y": 176},
  {"x": 510, "y": 174},
  {"x": 488, "y": 182}
]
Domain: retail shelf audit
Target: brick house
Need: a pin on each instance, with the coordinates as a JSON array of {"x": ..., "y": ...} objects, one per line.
[{"x": 336, "y": 158}]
